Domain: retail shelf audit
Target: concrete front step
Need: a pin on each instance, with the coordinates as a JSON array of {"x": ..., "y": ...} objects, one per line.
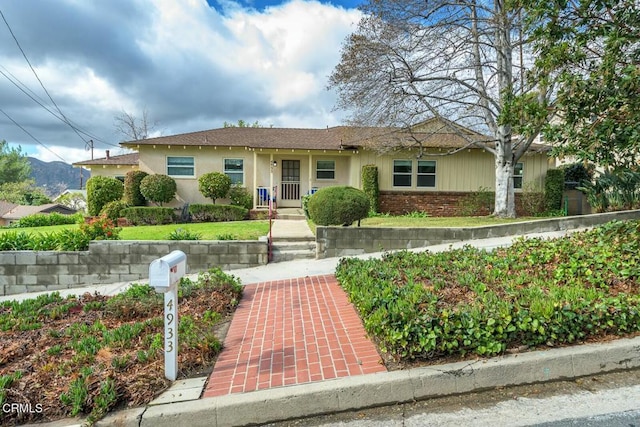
[
  {"x": 289, "y": 251},
  {"x": 301, "y": 245},
  {"x": 277, "y": 241},
  {"x": 290, "y": 216},
  {"x": 280, "y": 256}
]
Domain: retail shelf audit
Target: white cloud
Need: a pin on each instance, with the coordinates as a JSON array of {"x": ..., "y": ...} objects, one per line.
[{"x": 190, "y": 66}]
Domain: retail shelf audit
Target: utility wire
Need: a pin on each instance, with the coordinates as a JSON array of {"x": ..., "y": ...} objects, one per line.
[
  {"x": 64, "y": 118},
  {"x": 23, "y": 88},
  {"x": 34, "y": 138}
]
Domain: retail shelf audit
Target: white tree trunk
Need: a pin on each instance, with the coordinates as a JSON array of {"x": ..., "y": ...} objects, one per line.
[
  {"x": 505, "y": 197},
  {"x": 504, "y": 201}
]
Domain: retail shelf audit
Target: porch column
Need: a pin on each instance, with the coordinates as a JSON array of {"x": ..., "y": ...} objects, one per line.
[
  {"x": 255, "y": 179},
  {"x": 310, "y": 173},
  {"x": 270, "y": 192}
]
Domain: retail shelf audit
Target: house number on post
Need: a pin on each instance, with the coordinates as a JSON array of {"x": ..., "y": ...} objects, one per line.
[{"x": 164, "y": 276}]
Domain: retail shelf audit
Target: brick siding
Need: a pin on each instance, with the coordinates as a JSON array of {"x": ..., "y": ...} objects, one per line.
[{"x": 438, "y": 203}]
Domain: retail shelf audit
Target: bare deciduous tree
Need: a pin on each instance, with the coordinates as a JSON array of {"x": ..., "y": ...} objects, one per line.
[
  {"x": 411, "y": 60},
  {"x": 132, "y": 127}
]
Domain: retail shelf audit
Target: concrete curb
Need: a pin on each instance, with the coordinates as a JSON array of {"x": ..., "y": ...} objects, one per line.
[{"x": 388, "y": 388}]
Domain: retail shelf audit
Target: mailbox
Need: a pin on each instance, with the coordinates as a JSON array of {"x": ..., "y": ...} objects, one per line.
[
  {"x": 166, "y": 271},
  {"x": 164, "y": 274}
]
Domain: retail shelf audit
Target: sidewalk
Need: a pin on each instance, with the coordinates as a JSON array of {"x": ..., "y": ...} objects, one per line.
[{"x": 296, "y": 348}]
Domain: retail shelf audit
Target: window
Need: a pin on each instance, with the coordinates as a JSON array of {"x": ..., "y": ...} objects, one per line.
[
  {"x": 426, "y": 173},
  {"x": 234, "y": 169},
  {"x": 402, "y": 170},
  {"x": 326, "y": 169},
  {"x": 517, "y": 175},
  {"x": 180, "y": 166}
]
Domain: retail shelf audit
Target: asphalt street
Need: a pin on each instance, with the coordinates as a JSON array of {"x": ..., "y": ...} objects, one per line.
[{"x": 611, "y": 400}]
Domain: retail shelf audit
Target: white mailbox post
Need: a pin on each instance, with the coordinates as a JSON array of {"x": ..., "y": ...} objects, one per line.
[{"x": 164, "y": 275}]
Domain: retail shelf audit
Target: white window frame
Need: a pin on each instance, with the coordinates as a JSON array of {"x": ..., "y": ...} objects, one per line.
[
  {"x": 325, "y": 170},
  {"x": 434, "y": 174},
  {"x": 192, "y": 166},
  {"x": 519, "y": 176},
  {"x": 233, "y": 171},
  {"x": 394, "y": 173}
]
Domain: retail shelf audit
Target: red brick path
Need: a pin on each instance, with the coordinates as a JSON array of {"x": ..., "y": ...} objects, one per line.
[{"x": 292, "y": 332}]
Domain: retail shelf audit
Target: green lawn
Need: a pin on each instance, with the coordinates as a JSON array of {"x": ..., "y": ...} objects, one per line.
[{"x": 240, "y": 230}]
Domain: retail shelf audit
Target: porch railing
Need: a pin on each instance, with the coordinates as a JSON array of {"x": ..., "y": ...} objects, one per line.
[
  {"x": 290, "y": 190},
  {"x": 263, "y": 197}
]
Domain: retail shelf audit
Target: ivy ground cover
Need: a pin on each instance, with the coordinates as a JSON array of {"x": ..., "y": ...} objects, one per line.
[{"x": 465, "y": 302}]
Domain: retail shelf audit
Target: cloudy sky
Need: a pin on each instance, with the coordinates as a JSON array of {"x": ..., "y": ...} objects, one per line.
[{"x": 192, "y": 64}]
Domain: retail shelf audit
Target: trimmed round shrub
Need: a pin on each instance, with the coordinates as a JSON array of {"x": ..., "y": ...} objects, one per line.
[
  {"x": 158, "y": 188},
  {"x": 132, "y": 194},
  {"x": 102, "y": 190},
  {"x": 214, "y": 185},
  {"x": 113, "y": 210},
  {"x": 339, "y": 205}
]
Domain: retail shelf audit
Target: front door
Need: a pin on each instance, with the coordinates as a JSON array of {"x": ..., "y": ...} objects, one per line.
[{"x": 290, "y": 184}]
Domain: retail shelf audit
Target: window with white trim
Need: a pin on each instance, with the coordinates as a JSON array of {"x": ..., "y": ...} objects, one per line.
[
  {"x": 181, "y": 166},
  {"x": 234, "y": 169},
  {"x": 518, "y": 173},
  {"x": 426, "y": 173},
  {"x": 326, "y": 169},
  {"x": 402, "y": 171}
]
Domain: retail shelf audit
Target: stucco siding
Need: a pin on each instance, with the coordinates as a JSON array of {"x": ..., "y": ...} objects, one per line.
[{"x": 112, "y": 171}]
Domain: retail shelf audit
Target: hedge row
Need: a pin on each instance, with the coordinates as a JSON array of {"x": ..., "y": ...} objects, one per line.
[
  {"x": 149, "y": 215},
  {"x": 217, "y": 213},
  {"x": 45, "y": 220}
]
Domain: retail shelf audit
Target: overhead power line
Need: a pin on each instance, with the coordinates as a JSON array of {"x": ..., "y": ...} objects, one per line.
[
  {"x": 33, "y": 137},
  {"x": 62, "y": 116},
  {"x": 25, "y": 89}
]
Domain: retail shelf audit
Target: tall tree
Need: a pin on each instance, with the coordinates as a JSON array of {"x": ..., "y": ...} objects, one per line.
[
  {"x": 242, "y": 124},
  {"x": 14, "y": 165},
  {"x": 411, "y": 60},
  {"x": 134, "y": 128},
  {"x": 591, "y": 49}
]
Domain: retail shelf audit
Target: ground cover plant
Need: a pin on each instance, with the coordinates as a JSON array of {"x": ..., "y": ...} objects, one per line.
[
  {"x": 90, "y": 354},
  {"x": 471, "y": 302}
]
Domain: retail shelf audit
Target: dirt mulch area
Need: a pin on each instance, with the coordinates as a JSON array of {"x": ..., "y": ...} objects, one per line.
[{"x": 69, "y": 349}]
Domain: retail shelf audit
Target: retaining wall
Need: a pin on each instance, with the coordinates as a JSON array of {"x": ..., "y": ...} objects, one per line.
[
  {"x": 345, "y": 241},
  {"x": 113, "y": 261}
]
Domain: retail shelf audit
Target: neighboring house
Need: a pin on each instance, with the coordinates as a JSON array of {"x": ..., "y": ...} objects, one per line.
[
  {"x": 289, "y": 163},
  {"x": 112, "y": 166},
  {"x": 10, "y": 212}
]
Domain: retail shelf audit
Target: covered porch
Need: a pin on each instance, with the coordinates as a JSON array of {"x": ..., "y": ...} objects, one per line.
[{"x": 284, "y": 176}]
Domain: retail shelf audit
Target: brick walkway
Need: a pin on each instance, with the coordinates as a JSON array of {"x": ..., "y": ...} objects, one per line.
[{"x": 292, "y": 331}]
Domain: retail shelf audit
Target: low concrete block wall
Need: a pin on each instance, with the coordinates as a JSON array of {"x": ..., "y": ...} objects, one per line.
[
  {"x": 345, "y": 241},
  {"x": 113, "y": 261}
]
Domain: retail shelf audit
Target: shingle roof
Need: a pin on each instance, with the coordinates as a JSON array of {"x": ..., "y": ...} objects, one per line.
[
  {"x": 122, "y": 159},
  {"x": 6, "y": 206},
  {"x": 434, "y": 133},
  {"x": 329, "y": 138},
  {"x": 20, "y": 211}
]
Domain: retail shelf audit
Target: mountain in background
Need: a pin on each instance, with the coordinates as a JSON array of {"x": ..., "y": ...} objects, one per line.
[{"x": 55, "y": 177}]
